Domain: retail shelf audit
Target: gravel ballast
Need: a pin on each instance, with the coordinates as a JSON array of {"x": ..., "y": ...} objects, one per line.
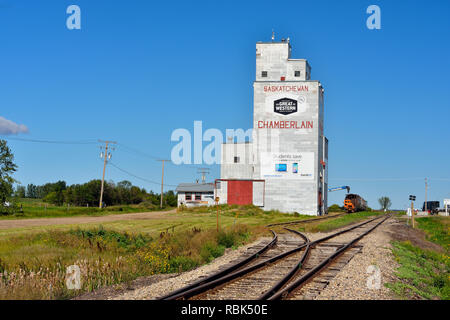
[{"x": 349, "y": 284}]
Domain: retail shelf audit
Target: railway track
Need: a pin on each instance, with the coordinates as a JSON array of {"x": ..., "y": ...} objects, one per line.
[
  {"x": 325, "y": 260},
  {"x": 280, "y": 243},
  {"x": 291, "y": 270}
]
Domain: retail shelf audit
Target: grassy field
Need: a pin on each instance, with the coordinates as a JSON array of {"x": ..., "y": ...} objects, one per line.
[
  {"x": 339, "y": 222},
  {"x": 36, "y": 208},
  {"x": 437, "y": 229},
  {"x": 34, "y": 260},
  {"x": 424, "y": 274},
  {"x": 34, "y": 266},
  {"x": 204, "y": 218}
]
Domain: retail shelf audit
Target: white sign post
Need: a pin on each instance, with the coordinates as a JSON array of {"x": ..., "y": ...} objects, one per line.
[{"x": 446, "y": 204}]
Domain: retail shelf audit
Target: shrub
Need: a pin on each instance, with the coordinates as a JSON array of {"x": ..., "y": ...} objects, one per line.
[
  {"x": 210, "y": 250},
  {"x": 334, "y": 208},
  {"x": 156, "y": 255},
  {"x": 182, "y": 263},
  {"x": 226, "y": 239}
]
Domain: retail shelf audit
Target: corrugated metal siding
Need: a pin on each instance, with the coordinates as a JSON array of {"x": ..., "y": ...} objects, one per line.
[{"x": 240, "y": 192}]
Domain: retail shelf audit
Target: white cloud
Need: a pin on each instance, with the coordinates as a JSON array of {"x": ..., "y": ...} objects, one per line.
[{"x": 9, "y": 127}]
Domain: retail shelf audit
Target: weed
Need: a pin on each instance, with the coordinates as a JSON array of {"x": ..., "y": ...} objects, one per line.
[{"x": 423, "y": 274}]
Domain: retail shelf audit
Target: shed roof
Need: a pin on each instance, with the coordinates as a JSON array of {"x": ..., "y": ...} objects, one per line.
[{"x": 195, "y": 187}]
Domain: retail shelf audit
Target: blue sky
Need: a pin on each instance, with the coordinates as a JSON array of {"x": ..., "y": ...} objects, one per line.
[{"x": 137, "y": 70}]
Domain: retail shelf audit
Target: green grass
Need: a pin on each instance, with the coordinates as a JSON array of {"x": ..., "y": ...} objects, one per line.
[
  {"x": 437, "y": 230},
  {"x": 36, "y": 208},
  {"x": 423, "y": 274},
  {"x": 120, "y": 251},
  {"x": 341, "y": 221},
  {"x": 33, "y": 266}
]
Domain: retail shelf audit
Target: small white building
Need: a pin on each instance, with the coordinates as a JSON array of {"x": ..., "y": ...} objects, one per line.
[{"x": 195, "y": 194}]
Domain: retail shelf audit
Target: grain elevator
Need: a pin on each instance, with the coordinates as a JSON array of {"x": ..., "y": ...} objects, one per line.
[{"x": 284, "y": 166}]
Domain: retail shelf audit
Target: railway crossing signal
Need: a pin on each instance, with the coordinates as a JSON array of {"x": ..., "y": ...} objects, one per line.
[{"x": 412, "y": 198}]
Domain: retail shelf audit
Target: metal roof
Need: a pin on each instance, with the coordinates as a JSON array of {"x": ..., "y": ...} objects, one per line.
[{"x": 195, "y": 187}]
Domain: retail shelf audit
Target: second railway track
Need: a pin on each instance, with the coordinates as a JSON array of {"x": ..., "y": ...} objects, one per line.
[{"x": 295, "y": 268}]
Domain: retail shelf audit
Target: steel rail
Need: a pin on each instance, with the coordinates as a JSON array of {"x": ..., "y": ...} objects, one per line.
[
  {"x": 209, "y": 283},
  {"x": 296, "y": 284},
  {"x": 196, "y": 289},
  {"x": 225, "y": 271},
  {"x": 272, "y": 291},
  {"x": 290, "y": 274}
]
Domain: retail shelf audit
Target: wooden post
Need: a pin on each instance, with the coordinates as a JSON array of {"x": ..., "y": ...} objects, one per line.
[
  {"x": 103, "y": 176},
  {"x": 162, "y": 182},
  {"x": 105, "y": 161},
  {"x": 217, "y": 214}
]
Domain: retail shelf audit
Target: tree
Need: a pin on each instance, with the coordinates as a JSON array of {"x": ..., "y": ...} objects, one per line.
[
  {"x": 7, "y": 168},
  {"x": 385, "y": 203},
  {"x": 20, "y": 192},
  {"x": 334, "y": 208},
  {"x": 170, "y": 198}
]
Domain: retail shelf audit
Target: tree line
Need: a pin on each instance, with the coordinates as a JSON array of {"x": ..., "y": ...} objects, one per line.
[
  {"x": 88, "y": 194},
  {"x": 59, "y": 193}
]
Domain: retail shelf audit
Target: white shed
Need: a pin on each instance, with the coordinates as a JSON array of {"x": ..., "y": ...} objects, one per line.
[{"x": 195, "y": 194}]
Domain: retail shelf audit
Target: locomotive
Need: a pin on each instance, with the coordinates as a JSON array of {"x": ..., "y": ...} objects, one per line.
[{"x": 354, "y": 203}]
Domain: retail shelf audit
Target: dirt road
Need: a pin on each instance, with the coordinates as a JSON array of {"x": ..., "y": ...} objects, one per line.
[{"x": 23, "y": 223}]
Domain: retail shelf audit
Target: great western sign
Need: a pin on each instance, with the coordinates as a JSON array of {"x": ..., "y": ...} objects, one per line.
[{"x": 285, "y": 106}]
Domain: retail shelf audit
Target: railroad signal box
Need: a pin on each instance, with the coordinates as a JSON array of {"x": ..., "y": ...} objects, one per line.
[{"x": 288, "y": 151}]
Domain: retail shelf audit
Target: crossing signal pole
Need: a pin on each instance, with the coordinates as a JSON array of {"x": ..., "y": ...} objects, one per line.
[
  {"x": 162, "y": 182},
  {"x": 426, "y": 191},
  {"x": 106, "y": 156},
  {"x": 412, "y": 198}
]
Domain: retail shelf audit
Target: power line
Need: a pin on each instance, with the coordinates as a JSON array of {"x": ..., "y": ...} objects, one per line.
[
  {"x": 377, "y": 179},
  {"x": 138, "y": 152},
  {"x": 89, "y": 141},
  {"x": 107, "y": 157},
  {"x": 146, "y": 155},
  {"x": 135, "y": 176}
]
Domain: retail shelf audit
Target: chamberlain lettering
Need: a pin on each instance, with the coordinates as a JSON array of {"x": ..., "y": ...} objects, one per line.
[
  {"x": 246, "y": 309},
  {"x": 209, "y": 311},
  {"x": 285, "y": 124}
]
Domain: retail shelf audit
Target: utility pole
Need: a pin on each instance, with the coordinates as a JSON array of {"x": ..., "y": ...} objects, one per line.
[
  {"x": 203, "y": 171},
  {"x": 162, "y": 182},
  {"x": 106, "y": 157},
  {"x": 426, "y": 190}
]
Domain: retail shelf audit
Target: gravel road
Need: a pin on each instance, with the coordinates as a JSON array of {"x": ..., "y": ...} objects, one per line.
[{"x": 23, "y": 223}]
